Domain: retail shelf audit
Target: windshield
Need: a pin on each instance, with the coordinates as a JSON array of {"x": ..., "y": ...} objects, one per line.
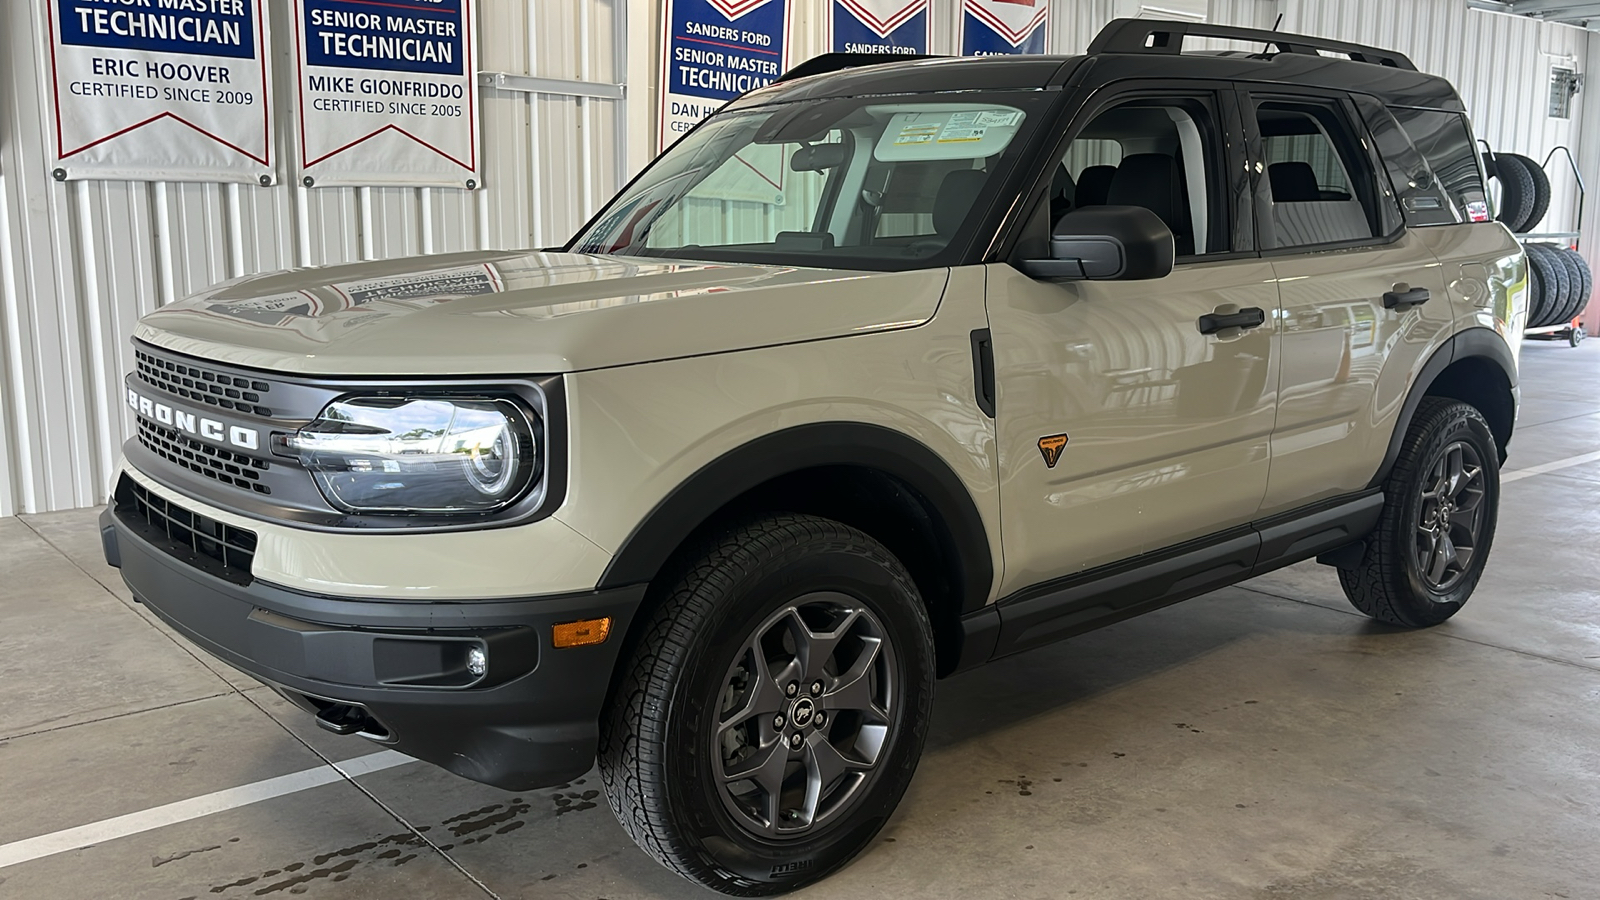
[{"x": 869, "y": 183}]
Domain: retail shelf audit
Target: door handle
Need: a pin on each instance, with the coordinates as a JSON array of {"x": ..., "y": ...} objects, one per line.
[
  {"x": 1407, "y": 298},
  {"x": 1249, "y": 317}
]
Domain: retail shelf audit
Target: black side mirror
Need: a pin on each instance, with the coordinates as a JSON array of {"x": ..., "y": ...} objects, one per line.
[{"x": 1105, "y": 243}]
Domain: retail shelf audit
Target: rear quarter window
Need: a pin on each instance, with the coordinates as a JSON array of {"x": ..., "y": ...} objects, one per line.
[{"x": 1445, "y": 140}]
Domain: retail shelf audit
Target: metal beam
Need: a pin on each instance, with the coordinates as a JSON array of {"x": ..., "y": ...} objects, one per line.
[
  {"x": 563, "y": 87},
  {"x": 1567, "y": 10}
]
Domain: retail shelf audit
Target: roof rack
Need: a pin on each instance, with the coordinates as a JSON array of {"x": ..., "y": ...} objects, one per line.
[
  {"x": 835, "y": 62},
  {"x": 1161, "y": 37}
]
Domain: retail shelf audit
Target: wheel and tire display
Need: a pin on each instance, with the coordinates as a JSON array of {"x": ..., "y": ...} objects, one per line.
[
  {"x": 774, "y": 707},
  {"x": 1440, "y": 507},
  {"x": 1539, "y": 199}
]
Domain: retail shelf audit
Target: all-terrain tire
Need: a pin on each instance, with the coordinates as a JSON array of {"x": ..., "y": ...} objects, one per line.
[
  {"x": 1541, "y": 190},
  {"x": 1517, "y": 190},
  {"x": 664, "y": 737},
  {"x": 1390, "y": 584},
  {"x": 1557, "y": 282},
  {"x": 1582, "y": 283}
]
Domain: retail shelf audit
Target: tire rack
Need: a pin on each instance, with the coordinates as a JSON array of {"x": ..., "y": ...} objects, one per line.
[{"x": 1572, "y": 332}]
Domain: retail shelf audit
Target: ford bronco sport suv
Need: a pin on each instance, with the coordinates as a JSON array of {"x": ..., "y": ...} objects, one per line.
[{"x": 884, "y": 371}]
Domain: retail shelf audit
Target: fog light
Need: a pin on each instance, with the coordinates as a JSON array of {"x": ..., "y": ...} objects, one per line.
[
  {"x": 477, "y": 661},
  {"x": 581, "y": 634}
]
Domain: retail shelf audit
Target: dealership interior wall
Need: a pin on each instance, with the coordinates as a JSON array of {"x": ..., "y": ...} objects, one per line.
[{"x": 568, "y": 113}]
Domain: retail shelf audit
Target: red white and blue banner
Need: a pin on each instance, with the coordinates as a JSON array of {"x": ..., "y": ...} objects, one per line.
[
  {"x": 879, "y": 26},
  {"x": 1003, "y": 27},
  {"x": 713, "y": 51},
  {"x": 169, "y": 91},
  {"x": 385, "y": 93}
]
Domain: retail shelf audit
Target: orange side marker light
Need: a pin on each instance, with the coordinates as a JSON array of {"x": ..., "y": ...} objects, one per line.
[{"x": 581, "y": 634}]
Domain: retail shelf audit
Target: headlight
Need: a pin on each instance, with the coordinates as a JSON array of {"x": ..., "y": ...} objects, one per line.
[{"x": 420, "y": 454}]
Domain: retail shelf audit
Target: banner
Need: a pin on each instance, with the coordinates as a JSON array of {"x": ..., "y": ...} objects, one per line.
[
  {"x": 879, "y": 26},
  {"x": 713, "y": 51},
  {"x": 167, "y": 91},
  {"x": 385, "y": 92},
  {"x": 1001, "y": 27}
]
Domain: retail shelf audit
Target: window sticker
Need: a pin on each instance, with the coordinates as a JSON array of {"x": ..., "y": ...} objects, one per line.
[
  {"x": 945, "y": 132},
  {"x": 1478, "y": 211}
]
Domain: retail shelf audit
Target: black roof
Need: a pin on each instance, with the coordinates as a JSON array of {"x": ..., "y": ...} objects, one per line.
[{"x": 1126, "y": 48}]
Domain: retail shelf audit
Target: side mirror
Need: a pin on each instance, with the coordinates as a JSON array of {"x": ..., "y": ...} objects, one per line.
[{"x": 1105, "y": 243}]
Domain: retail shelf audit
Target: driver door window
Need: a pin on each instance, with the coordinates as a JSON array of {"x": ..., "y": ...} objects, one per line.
[{"x": 1162, "y": 154}]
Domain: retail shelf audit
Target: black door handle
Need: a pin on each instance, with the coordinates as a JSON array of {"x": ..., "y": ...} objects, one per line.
[
  {"x": 1413, "y": 297},
  {"x": 1249, "y": 317}
]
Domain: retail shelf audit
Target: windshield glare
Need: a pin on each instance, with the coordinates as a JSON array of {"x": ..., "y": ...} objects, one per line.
[{"x": 863, "y": 182}]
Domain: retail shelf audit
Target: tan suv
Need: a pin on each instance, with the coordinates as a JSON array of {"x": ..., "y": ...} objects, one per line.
[{"x": 884, "y": 371}]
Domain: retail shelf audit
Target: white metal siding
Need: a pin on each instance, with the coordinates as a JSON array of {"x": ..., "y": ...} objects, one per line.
[{"x": 81, "y": 261}]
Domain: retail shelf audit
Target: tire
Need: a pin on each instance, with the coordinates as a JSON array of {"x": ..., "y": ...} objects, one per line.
[
  {"x": 1538, "y": 294},
  {"x": 1516, "y": 191},
  {"x": 690, "y": 707},
  {"x": 1558, "y": 284},
  {"x": 1391, "y": 584},
  {"x": 1541, "y": 191},
  {"x": 1582, "y": 284}
]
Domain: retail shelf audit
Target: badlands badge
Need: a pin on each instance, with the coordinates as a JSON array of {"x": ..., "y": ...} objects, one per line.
[{"x": 1051, "y": 446}]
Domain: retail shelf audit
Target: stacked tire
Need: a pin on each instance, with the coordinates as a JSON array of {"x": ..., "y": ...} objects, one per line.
[
  {"x": 1524, "y": 191},
  {"x": 1559, "y": 285}
]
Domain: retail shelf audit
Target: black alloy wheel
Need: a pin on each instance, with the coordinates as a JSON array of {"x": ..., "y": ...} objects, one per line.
[
  {"x": 805, "y": 709},
  {"x": 1450, "y": 516}
]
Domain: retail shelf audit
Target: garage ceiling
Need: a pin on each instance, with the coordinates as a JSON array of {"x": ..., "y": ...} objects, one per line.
[{"x": 1571, "y": 12}]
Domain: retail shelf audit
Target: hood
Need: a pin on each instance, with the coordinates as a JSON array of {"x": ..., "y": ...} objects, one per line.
[{"x": 528, "y": 313}]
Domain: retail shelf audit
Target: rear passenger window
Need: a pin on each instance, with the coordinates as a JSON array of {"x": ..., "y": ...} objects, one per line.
[
  {"x": 1320, "y": 176},
  {"x": 1446, "y": 142}
]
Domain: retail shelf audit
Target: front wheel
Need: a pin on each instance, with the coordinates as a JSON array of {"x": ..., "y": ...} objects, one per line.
[
  {"x": 1441, "y": 502},
  {"x": 774, "y": 709}
]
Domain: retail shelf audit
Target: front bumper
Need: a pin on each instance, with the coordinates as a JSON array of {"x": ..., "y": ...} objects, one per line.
[{"x": 530, "y": 721}]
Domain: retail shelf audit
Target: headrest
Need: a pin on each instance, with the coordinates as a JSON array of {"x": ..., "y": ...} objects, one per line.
[
  {"x": 1093, "y": 185},
  {"x": 954, "y": 201},
  {"x": 817, "y": 157},
  {"x": 1293, "y": 182},
  {"x": 1149, "y": 180}
]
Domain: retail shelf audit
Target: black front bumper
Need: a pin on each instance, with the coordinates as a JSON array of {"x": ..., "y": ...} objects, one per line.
[{"x": 530, "y": 721}]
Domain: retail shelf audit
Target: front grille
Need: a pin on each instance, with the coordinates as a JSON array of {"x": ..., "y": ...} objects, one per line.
[
  {"x": 211, "y": 546},
  {"x": 191, "y": 382},
  {"x": 217, "y": 463}
]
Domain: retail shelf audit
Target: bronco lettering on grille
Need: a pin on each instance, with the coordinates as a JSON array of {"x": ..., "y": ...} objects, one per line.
[{"x": 194, "y": 425}]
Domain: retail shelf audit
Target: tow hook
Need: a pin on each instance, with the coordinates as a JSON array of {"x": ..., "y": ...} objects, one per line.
[{"x": 341, "y": 718}]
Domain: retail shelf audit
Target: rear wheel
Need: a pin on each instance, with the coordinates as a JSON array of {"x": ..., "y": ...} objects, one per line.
[
  {"x": 775, "y": 707},
  {"x": 1425, "y": 557}
]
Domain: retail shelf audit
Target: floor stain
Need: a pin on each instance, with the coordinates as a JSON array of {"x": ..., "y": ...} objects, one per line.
[
  {"x": 157, "y": 862},
  {"x": 566, "y": 803},
  {"x": 474, "y": 826}
]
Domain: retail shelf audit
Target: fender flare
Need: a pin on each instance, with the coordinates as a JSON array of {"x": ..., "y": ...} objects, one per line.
[
  {"x": 698, "y": 498},
  {"x": 1482, "y": 343}
]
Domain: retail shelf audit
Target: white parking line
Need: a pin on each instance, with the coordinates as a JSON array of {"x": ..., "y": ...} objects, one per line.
[
  {"x": 183, "y": 810},
  {"x": 1547, "y": 468}
]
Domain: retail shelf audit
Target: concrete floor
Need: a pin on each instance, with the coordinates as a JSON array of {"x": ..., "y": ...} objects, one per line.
[{"x": 1261, "y": 742}]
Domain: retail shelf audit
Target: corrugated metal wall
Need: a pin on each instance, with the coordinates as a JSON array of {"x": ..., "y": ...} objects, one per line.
[{"x": 81, "y": 261}]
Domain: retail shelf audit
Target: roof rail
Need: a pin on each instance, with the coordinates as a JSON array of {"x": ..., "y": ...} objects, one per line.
[
  {"x": 1154, "y": 36},
  {"x": 835, "y": 62}
]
